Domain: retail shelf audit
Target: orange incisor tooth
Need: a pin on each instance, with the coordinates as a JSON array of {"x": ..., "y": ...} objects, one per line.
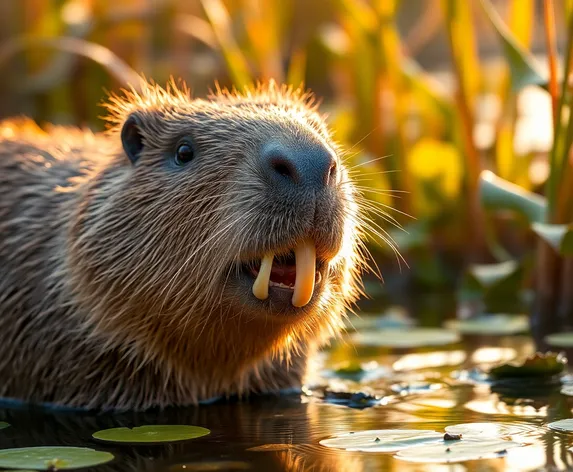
[
  {"x": 261, "y": 285},
  {"x": 305, "y": 256}
]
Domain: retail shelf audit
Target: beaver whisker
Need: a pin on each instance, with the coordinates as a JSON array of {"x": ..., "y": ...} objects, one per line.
[
  {"x": 349, "y": 169},
  {"x": 219, "y": 233}
]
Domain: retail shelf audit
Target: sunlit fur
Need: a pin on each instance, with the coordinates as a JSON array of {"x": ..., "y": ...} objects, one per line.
[{"x": 116, "y": 282}]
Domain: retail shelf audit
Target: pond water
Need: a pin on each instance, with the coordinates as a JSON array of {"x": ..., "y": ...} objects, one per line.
[{"x": 413, "y": 388}]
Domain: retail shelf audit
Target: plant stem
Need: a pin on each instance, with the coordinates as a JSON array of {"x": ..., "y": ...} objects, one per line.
[
  {"x": 476, "y": 235},
  {"x": 565, "y": 307},
  {"x": 543, "y": 319},
  {"x": 552, "y": 186},
  {"x": 552, "y": 304},
  {"x": 549, "y": 19}
]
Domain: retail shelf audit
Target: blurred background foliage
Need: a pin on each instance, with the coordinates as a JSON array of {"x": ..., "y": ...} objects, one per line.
[{"x": 425, "y": 94}]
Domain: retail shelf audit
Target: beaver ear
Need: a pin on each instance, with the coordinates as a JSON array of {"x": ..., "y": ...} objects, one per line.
[{"x": 131, "y": 138}]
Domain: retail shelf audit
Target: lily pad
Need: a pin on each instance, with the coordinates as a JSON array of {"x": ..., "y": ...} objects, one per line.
[
  {"x": 4, "y": 425},
  {"x": 398, "y": 338},
  {"x": 458, "y": 451},
  {"x": 382, "y": 440},
  {"x": 498, "y": 324},
  {"x": 538, "y": 365},
  {"x": 151, "y": 434},
  {"x": 392, "y": 318},
  {"x": 564, "y": 340},
  {"x": 358, "y": 372},
  {"x": 562, "y": 425},
  {"x": 483, "y": 430},
  {"x": 46, "y": 458}
]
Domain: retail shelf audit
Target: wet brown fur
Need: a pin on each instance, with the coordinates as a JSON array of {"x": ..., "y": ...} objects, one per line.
[{"x": 114, "y": 278}]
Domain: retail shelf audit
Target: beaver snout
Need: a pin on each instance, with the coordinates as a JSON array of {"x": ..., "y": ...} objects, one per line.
[{"x": 298, "y": 164}]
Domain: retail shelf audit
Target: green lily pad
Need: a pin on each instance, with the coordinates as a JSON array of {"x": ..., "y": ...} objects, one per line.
[
  {"x": 457, "y": 451},
  {"x": 538, "y": 365},
  {"x": 563, "y": 340},
  {"x": 498, "y": 324},
  {"x": 392, "y": 318},
  {"x": 562, "y": 425},
  {"x": 4, "y": 425},
  {"x": 399, "y": 338},
  {"x": 151, "y": 434},
  {"x": 483, "y": 430},
  {"x": 46, "y": 458},
  {"x": 382, "y": 440},
  {"x": 358, "y": 372}
]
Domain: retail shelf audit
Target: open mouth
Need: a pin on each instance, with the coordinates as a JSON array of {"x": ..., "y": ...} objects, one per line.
[{"x": 296, "y": 271}]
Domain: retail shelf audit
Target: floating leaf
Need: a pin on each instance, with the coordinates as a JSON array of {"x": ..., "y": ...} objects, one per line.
[
  {"x": 499, "y": 194},
  {"x": 458, "y": 451},
  {"x": 47, "y": 458},
  {"x": 559, "y": 237},
  {"x": 394, "y": 317},
  {"x": 151, "y": 434},
  {"x": 382, "y": 440},
  {"x": 398, "y": 338},
  {"x": 4, "y": 425},
  {"x": 483, "y": 430},
  {"x": 415, "y": 387},
  {"x": 358, "y": 372},
  {"x": 562, "y": 425},
  {"x": 498, "y": 324},
  {"x": 524, "y": 70},
  {"x": 538, "y": 365},
  {"x": 563, "y": 340}
]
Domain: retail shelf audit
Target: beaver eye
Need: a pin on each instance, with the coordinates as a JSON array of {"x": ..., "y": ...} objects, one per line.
[{"x": 184, "y": 154}]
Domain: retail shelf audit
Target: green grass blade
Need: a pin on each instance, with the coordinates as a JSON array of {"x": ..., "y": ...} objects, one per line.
[
  {"x": 220, "y": 20},
  {"x": 524, "y": 70}
]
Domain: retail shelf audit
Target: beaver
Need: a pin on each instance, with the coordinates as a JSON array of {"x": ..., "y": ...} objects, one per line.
[{"x": 196, "y": 249}]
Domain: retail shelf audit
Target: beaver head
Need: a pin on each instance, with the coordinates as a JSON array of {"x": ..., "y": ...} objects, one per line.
[{"x": 224, "y": 228}]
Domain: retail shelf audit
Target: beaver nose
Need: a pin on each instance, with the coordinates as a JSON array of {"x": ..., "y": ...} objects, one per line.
[{"x": 305, "y": 165}]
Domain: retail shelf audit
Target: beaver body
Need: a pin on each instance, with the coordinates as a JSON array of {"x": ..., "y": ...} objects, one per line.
[{"x": 129, "y": 258}]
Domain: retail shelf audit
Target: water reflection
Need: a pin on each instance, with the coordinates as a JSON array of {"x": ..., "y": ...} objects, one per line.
[{"x": 422, "y": 389}]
